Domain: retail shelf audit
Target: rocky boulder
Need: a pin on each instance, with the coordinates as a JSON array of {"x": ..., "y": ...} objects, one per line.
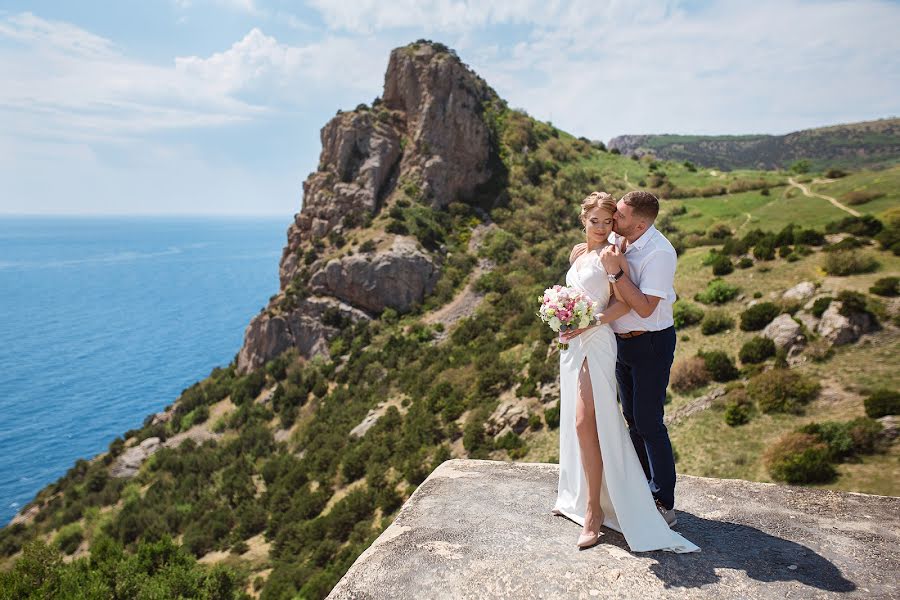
[
  {"x": 130, "y": 460},
  {"x": 784, "y": 331},
  {"x": 509, "y": 416},
  {"x": 841, "y": 329},
  {"x": 801, "y": 292},
  {"x": 397, "y": 278},
  {"x": 890, "y": 428},
  {"x": 308, "y": 328}
]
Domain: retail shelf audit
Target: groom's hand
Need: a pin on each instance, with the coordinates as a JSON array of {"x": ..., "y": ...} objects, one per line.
[{"x": 611, "y": 258}]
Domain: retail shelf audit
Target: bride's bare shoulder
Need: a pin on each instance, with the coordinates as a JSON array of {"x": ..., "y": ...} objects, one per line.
[{"x": 577, "y": 251}]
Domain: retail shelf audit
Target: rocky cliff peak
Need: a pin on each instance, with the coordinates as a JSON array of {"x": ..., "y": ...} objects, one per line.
[{"x": 426, "y": 139}]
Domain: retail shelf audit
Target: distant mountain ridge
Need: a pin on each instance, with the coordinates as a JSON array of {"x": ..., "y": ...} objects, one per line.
[{"x": 870, "y": 144}]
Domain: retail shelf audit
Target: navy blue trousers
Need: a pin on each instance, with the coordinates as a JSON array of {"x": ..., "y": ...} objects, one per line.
[{"x": 642, "y": 370}]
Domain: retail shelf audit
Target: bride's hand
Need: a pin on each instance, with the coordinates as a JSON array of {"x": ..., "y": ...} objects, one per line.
[{"x": 571, "y": 333}]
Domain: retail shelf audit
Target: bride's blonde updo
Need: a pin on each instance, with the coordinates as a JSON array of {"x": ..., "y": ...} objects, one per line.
[{"x": 601, "y": 200}]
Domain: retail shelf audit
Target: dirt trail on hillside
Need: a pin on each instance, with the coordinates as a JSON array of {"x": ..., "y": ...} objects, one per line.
[
  {"x": 467, "y": 300},
  {"x": 806, "y": 192}
]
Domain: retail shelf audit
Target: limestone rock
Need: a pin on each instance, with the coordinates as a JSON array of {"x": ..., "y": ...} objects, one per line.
[
  {"x": 305, "y": 328},
  {"x": 694, "y": 406},
  {"x": 808, "y": 320},
  {"x": 784, "y": 331},
  {"x": 840, "y": 329},
  {"x": 442, "y": 101},
  {"x": 428, "y": 137},
  {"x": 397, "y": 278},
  {"x": 890, "y": 427},
  {"x": 800, "y": 292},
  {"x": 373, "y": 415},
  {"x": 128, "y": 463},
  {"x": 508, "y": 416},
  {"x": 266, "y": 337},
  {"x": 483, "y": 529}
]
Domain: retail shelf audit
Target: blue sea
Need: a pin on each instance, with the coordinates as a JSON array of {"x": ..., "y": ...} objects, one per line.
[{"x": 104, "y": 320}]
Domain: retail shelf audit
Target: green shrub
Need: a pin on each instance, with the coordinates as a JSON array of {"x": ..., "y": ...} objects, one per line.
[
  {"x": 866, "y": 226},
  {"x": 886, "y": 286},
  {"x": 722, "y": 265},
  {"x": 367, "y": 246},
  {"x": 848, "y": 243},
  {"x": 848, "y": 438},
  {"x": 551, "y": 416},
  {"x": 764, "y": 249},
  {"x": 757, "y": 350},
  {"x": 738, "y": 407},
  {"x": 716, "y": 321},
  {"x": 717, "y": 292},
  {"x": 758, "y": 316},
  {"x": 799, "y": 458},
  {"x": 853, "y": 303},
  {"x": 882, "y": 402},
  {"x": 69, "y": 538},
  {"x": 686, "y": 314},
  {"x": 820, "y": 306},
  {"x": 720, "y": 365},
  {"x": 745, "y": 263},
  {"x": 889, "y": 239},
  {"x": 689, "y": 374},
  {"x": 848, "y": 262},
  {"x": 781, "y": 390},
  {"x": 808, "y": 237}
]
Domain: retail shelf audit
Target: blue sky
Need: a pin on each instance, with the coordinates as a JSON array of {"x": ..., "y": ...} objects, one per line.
[{"x": 215, "y": 106}]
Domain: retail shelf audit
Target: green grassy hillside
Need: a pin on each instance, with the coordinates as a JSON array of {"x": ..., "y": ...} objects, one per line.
[
  {"x": 856, "y": 145},
  {"x": 283, "y": 499}
]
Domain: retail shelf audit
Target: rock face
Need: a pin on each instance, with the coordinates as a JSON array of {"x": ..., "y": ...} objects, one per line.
[
  {"x": 428, "y": 138},
  {"x": 801, "y": 292},
  {"x": 483, "y": 529},
  {"x": 509, "y": 416},
  {"x": 397, "y": 278},
  {"x": 130, "y": 460},
  {"x": 840, "y": 329},
  {"x": 784, "y": 331}
]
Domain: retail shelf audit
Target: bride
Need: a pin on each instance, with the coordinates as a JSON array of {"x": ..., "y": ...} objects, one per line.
[{"x": 601, "y": 481}]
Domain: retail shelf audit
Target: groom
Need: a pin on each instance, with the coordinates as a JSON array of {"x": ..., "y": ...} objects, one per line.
[{"x": 645, "y": 336}]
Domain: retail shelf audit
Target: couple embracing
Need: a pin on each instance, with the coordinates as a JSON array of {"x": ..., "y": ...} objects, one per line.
[{"x": 610, "y": 475}]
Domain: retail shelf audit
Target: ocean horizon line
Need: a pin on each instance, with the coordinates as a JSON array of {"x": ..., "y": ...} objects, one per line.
[{"x": 147, "y": 215}]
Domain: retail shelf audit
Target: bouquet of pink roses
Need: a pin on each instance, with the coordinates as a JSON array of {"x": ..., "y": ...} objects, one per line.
[{"x": 564, "y": 308}]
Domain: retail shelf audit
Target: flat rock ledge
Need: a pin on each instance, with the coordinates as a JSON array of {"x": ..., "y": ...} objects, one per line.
[{"x": 483, "y": 529}]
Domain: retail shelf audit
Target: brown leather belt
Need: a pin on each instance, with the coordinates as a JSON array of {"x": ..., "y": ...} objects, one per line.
[{"x": 630, "y": 334}]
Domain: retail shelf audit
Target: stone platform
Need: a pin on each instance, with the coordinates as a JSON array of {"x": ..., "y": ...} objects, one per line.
[{"x": 483, "y": 529}]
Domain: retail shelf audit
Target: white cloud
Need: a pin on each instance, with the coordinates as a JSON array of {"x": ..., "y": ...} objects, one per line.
[
  {"x": 258, "y": 66},
  {"x": 66, "y": 83},
  {"x": 606, "y": 68}
]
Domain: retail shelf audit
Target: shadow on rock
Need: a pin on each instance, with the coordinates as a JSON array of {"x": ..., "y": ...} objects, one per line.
[{"x": 725, "y": 545}]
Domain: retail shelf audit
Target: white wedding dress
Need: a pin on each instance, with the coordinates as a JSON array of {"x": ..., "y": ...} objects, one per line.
[{"x": 625, "y": 496}]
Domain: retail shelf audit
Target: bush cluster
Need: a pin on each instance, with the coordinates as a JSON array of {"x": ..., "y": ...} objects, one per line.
[
  {"x": 686, "y": 314},
  {"x": 758, "y": 316},
  {"x": 848, "y": 262},
  {"x": 716, "y": 321},
  {"x": 799, "y": 458},
  {"x": 886, "y": 286},
  {"x": 689, "y": 374},
  {"x": 757, "y": 350},
  {"x": 882, "y": 402},
  {"x": 720, "y": 365},
  {"x": 717, "y": 291},
  {"x": 782, "y": 390},
  {"x": 738, "y": 407}
]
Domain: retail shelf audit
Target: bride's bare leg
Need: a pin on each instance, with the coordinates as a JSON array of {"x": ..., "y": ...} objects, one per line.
[{"x": 589, "y": 444}]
